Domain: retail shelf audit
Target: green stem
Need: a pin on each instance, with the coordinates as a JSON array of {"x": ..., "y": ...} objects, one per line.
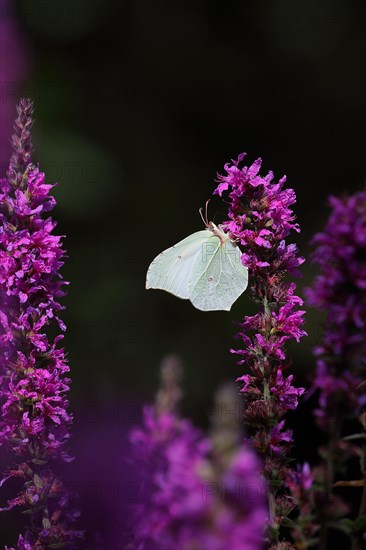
[
  {"x": 273, "y": 536},
  {"x": 267, "y": 309},
  {"x": 273, "y": 533},
  {"x": 266, "y": 393},
  {"x": 333, "y": 439}
]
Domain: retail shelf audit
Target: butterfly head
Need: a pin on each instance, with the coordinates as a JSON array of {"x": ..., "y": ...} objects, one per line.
[{"x": 211, "y": 226}]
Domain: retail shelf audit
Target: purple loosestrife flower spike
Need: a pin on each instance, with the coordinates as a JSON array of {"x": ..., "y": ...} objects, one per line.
[
  {"x": 21, "y": 142},
  {"x": 340, "y": 290},
  {"x": 35, "y": 423},
  {"x": 189, "y": 496},
  {"x": 260, "y": 220}
]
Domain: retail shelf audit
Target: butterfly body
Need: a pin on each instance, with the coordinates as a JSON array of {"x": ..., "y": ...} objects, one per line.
[{"x": 205, "y": 268}]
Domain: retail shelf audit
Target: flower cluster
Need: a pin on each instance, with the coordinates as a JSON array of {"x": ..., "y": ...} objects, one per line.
[
  {"x": 188, "y": 498},
  {"x": 340, "y": 289},
  {"x": 260, "y": 220},
  {"x": 35, "y": 423}
]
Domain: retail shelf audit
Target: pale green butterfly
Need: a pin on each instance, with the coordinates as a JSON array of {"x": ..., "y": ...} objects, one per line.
[{"x": 204, "y": 268}]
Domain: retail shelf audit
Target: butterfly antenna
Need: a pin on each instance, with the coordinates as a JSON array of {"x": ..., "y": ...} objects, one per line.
[
  {"x": 204, "y": 217},
  {"x": 206, "y": 210}
]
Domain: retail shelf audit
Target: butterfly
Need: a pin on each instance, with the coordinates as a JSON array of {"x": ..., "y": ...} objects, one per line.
[{"x": 204, "y": 268}]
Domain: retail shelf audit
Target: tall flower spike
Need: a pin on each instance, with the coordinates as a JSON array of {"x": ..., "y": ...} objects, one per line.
[
  {"x": 340, "y": 290},
  {"x": 22, "y": 142},
  {"x": 190, "y": 497},
  {"x": 260, "y": 219},
  {"x": 35, "y": 423}
]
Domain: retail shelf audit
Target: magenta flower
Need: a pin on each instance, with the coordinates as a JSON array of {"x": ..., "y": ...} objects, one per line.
[
  {"x": 190, "y": 497},
  {"x": 280, "y": 438},
  {"x": 260, "y": 220},
  {"x": 340, "y": 290},
  {"x": 287, "y": 395},
  {"x": 35, "y": 422}
]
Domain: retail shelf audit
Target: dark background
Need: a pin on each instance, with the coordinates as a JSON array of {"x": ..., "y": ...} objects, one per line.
[{"x": 138, "y": 105}]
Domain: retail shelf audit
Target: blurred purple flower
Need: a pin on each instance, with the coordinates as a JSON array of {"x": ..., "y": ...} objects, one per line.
[
  {"x": 260, "y": 219},
  {"x": 340, "y": 289},
  {"x": 186, "y": 501},
  {"x": 302, "y": 486},
  {"x": 35, "y": 423},
  {"x": 338, "y": 381}
]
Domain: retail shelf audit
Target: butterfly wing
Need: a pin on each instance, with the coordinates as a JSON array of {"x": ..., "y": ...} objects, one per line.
[
  {"x": 171, "y": 270},
  {"x": 218, "y": 277}
]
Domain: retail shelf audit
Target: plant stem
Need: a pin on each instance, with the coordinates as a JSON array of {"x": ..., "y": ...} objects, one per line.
[
  {"x": 273, "y": 535},
  {"x": 362, "y": 511},
  {"x": 358, "y": 542},
  {"x": 333, "y": 439}
]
